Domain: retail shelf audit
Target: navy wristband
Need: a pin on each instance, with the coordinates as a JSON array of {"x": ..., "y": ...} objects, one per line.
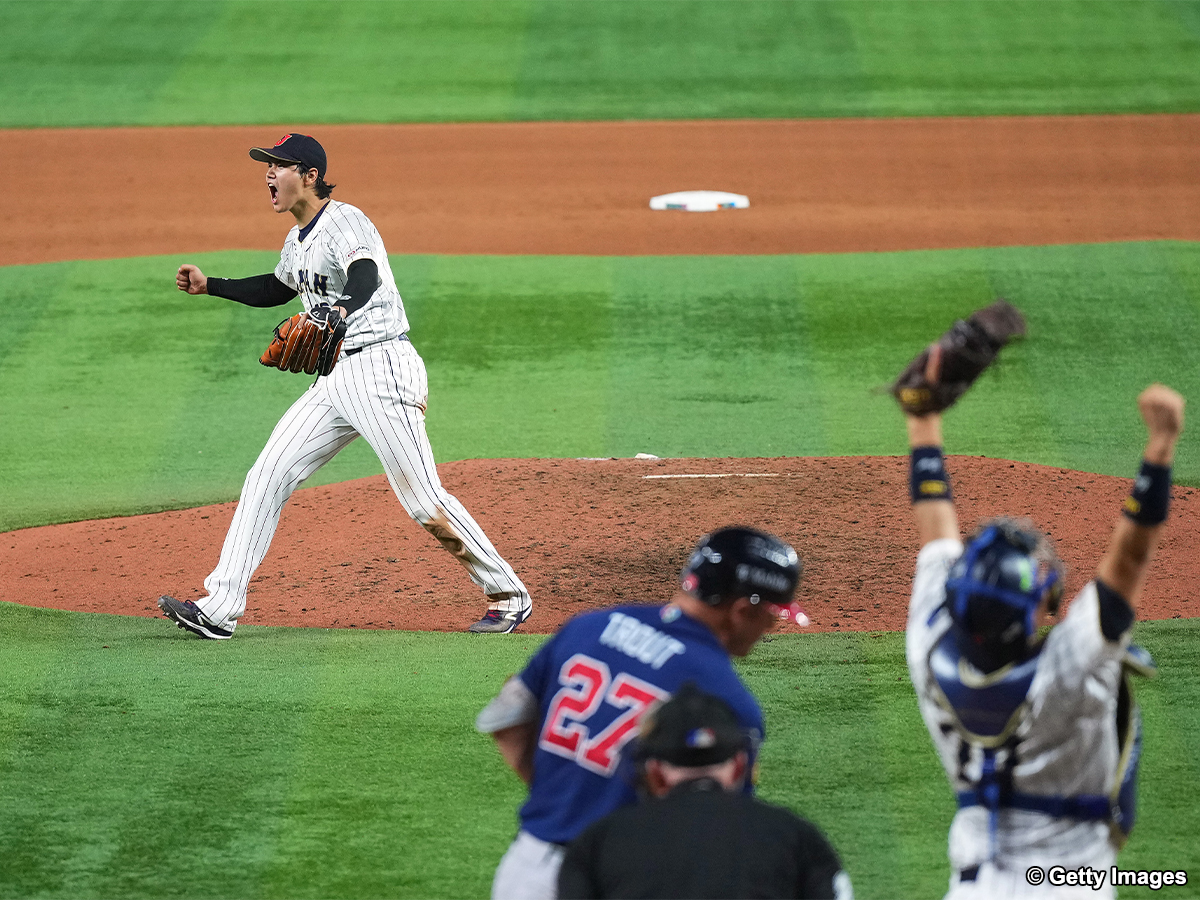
[
  {"x": 927, "y": 475},
  {"x": 1151, "y": 495}
]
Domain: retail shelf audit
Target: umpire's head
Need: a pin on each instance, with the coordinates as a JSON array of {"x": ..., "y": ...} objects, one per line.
[{"x": 692, "y": 737}]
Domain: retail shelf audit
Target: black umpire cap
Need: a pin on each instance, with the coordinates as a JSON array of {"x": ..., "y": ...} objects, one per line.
[
  {"x": 291, "y": 149},
  {"x": 743, "y": 562},
  {"x": 691, "y": 729}
]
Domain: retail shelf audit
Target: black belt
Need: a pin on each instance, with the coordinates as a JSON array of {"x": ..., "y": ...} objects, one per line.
[
  {"x": 969, "y": 874},
  {"x": 403, "y": 337}
]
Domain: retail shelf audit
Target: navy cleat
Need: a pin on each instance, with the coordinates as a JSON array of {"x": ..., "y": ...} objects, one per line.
[
  {"x": 501, "y": 621},
  {"x": 187, "y": 616}
]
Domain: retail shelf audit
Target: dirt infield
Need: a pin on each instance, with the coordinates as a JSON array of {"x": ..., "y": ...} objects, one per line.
[
  {"x": 584, "y": 533},
  {"x": 588, "y": 533},
  {"x": 814, "y": 186}
]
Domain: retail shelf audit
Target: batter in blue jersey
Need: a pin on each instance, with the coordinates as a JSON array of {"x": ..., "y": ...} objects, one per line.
[{"x": 566, "y": 723}]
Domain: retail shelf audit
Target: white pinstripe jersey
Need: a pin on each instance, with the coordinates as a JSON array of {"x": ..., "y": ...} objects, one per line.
[
  {"x": 315, "y": 266},
  {"x": 1068, "y": 739}
]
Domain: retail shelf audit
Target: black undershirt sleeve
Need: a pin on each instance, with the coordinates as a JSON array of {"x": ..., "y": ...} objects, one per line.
[
  {"x": 260, "y": 291},
  {"x": 362, "y": 279},
  {"x": 1116, "y": 615}
]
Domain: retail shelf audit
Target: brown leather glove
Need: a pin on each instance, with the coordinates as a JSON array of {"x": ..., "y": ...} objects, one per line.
[
  {"x": 308, "y": 342},
  {"x": 969, "y": 347}
]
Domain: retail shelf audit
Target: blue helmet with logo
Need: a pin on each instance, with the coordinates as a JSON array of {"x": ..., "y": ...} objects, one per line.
[{"x": 994, "y": 590}]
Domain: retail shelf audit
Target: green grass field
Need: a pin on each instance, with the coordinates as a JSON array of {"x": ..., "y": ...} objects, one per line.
[
  {"x": 342, "y": 764},
  {"x": 136, "y": 762},
  {"x": 161, "y": 403},
  {"x": 151, "y": 63}
]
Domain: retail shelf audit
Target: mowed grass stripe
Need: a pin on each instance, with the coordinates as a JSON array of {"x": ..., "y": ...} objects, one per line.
[
  {"x": 204, "y": 62},
  {"x": 846, "y": 748},
  {"x": 122, "y": 395},
  {"x": 138, "y": 762}
]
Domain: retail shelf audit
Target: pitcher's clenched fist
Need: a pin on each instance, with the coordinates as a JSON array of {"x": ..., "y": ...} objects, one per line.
[{"x": 191, "y": 279}]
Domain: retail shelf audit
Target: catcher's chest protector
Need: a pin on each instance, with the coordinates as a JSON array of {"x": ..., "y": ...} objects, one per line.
[{"x": 989, "y": 710}]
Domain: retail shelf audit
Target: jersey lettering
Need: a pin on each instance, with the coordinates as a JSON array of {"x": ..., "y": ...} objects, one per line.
[
  {"x": 315, "y": 266},
  {"x": 643, "y": 642},
  {"x": 603, "y": 752},
  {"x": 586, "y": 683},
  {"x": 319, "y": 283}
]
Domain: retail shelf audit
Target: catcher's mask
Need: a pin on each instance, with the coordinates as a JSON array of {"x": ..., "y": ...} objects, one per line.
[
  {"x": 995, "y": 588},
  {"x": 742, "y": 562}
]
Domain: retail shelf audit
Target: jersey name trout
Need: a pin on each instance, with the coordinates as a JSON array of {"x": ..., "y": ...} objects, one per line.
[{"x": 643, "y": 642}]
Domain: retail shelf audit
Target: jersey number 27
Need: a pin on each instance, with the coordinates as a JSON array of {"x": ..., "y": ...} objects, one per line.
[{"x": 586, "y": 684}]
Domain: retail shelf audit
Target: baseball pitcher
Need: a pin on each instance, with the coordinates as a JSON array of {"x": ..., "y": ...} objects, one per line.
[{"x": 353, "y": 335}]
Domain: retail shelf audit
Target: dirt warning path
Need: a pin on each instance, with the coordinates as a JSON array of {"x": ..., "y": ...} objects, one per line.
[
  {"x": 584, "y": 534},
  {"x": 584, "y": 188}
]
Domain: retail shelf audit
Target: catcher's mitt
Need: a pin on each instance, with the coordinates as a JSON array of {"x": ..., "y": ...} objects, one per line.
[
  {"x": 307, "y": 342},
  {"x": 960, "y": 356}
]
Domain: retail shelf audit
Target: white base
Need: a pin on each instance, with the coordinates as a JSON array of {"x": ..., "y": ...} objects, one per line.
[{"x": 700, "y": 201}]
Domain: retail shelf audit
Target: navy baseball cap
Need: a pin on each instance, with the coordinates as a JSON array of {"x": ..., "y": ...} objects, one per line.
[
  {"x": 691, "y": 729},
  {"x": 292, "y": 149}
]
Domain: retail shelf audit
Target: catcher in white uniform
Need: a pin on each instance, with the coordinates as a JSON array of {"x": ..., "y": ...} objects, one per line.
[
  {"x": 372, "y": 383},
  {"x": 1039, "y": 737}
]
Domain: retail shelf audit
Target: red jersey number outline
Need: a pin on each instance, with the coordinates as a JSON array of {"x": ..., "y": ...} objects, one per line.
[
  {"x": 587, "y": 682},
  {"x": 583, "y": 681}
]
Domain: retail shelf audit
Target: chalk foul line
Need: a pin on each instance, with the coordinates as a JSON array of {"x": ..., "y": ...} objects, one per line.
[{"x": 722, "y": 475}]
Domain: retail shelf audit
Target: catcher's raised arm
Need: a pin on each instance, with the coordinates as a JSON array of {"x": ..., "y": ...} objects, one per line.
[{"x": 933, "y": 382}]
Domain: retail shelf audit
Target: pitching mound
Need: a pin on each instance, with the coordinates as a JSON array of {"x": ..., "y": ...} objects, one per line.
[{"x": 584, "y": 534}]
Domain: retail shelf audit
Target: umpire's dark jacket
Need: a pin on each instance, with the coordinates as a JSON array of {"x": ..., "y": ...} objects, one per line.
[{"x": 701, "y": 842}]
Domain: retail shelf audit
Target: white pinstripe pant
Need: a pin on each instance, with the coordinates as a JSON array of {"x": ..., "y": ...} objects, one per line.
[{"x": 380, "y": 393}]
